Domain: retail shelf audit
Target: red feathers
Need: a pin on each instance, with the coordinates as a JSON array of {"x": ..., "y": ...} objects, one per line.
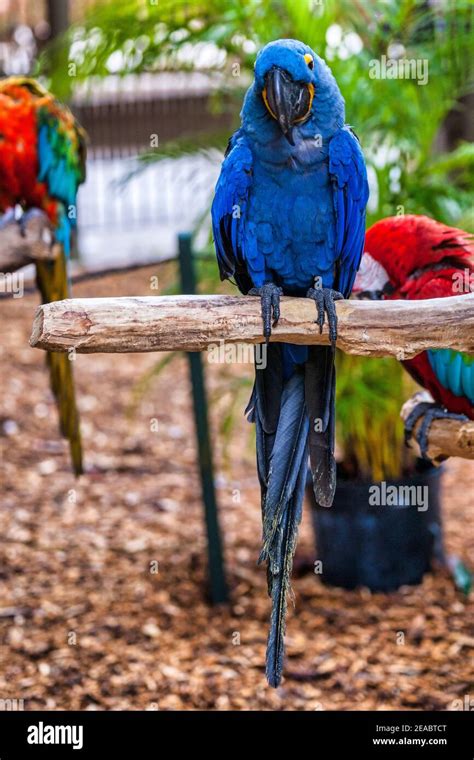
[
  {"x": 405, "y": 244},
  {"x": 424, "y": 259},
  {"x": 18, "y": 150}
]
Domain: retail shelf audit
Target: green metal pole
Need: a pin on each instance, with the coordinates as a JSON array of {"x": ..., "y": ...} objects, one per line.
[
  {"x": 58, "y": 16},
  {"x": 218, "y": 586}
]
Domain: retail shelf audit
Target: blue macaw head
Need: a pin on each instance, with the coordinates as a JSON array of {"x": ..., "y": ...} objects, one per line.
[{"x": 296, "y": 87}]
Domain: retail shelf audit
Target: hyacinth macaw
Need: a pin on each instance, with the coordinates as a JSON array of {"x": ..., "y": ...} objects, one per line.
[
  {"x": 42, "y": 163},
  {"x": 414, "y": 257},
  {"x": 288, "y": 219}
]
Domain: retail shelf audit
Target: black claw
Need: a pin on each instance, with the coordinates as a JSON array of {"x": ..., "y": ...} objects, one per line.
[
  {"x": 436, "y": 413},
  {"x": 317, "y": 295},
  {"x": 410, "y": 422},
  {"x": 276, "y": 308},
  {"x": 430, "y": 412},
  {"x": 422, "y": 434},
  {"x": 270, "y": 301},
  {"x": 324, "y": 299}
]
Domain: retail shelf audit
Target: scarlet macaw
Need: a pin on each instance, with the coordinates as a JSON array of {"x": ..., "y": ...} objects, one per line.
[
  {"x": 414, "y": 257},
  {"x": 288, "y": 219},
  {"x": 42, "y": 163}
]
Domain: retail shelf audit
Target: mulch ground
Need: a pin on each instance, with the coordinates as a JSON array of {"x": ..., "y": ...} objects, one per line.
[{"x": 103, "y": 595}]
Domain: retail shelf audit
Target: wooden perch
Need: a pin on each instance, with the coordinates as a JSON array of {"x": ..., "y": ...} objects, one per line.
[
  {"x": 446, "y": 438},
  {"x": 192, "y": 323},
  {"x": 17, "y": 250}
]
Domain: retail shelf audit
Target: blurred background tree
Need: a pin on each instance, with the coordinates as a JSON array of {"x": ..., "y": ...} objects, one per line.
[
  {"x": 401, "y": 123},
  {"x": 415, "y": 134}
]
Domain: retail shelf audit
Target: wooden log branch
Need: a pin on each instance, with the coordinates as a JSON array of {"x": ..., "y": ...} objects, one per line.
[
  {"x": 446, "y": 438},
  {"x": 192, "y": 323},
  {"x": 17, "y": 250}
]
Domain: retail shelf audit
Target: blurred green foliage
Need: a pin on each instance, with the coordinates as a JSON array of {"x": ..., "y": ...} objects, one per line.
[{"x": 397, "y": 120}]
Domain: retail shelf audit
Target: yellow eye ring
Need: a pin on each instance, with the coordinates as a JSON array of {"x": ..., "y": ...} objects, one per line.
[{"x": 309, "y": 60}]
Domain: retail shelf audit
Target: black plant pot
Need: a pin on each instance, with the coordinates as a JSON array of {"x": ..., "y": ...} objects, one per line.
[{"x": 380, "y": 547}]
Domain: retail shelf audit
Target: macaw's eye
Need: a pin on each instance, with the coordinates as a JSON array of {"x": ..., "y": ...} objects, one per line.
[{"x": 309, "y": 60}]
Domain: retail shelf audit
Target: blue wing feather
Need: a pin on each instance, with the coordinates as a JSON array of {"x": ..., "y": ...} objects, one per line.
[
  {"x": 350, "y": 195},
  {"x": 454, "y": 370},
  {"x": 61, "y": 156},
  {"x": 234, "y": 244}
]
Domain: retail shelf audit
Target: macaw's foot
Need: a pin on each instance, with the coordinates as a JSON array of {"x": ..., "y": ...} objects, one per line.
[
  {"x": 27, "y": 216},
  {"x": 7, "y": 218},
  {"x": 324, "y": 299},
  {"x": 430, "y": 412},
  {"x": 270, "y": 300}
]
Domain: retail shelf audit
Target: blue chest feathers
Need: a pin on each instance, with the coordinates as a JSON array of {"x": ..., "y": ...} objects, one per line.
[{"x": 291, "y": 223}]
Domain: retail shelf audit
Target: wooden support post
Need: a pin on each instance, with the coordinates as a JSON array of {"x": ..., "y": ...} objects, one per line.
[{"x": 218, "y": 586}]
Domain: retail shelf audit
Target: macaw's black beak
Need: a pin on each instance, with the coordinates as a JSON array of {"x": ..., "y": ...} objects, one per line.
[{"x": 289, "y": 102}]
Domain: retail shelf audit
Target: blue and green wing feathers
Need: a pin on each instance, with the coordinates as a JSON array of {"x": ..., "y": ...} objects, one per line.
[
  {"x": 61, "y": 162},
  {"x": 454, "y": 370},
  {"x": 61, "y": 152}
]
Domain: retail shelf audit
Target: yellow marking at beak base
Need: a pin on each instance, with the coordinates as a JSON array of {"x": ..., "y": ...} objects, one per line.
[
  {"x": 311, "y": 96},
  {"x": 302, "y": 118},
  {"x": 265, "y": 100}
]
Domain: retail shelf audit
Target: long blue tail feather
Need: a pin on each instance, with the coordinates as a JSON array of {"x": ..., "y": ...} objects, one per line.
[
  {"x": 282, "y": 409},
  {"x": 282, "y": 456},
  {"x": 280, "y": 567},
  {"x": 288, "y": 450}
]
